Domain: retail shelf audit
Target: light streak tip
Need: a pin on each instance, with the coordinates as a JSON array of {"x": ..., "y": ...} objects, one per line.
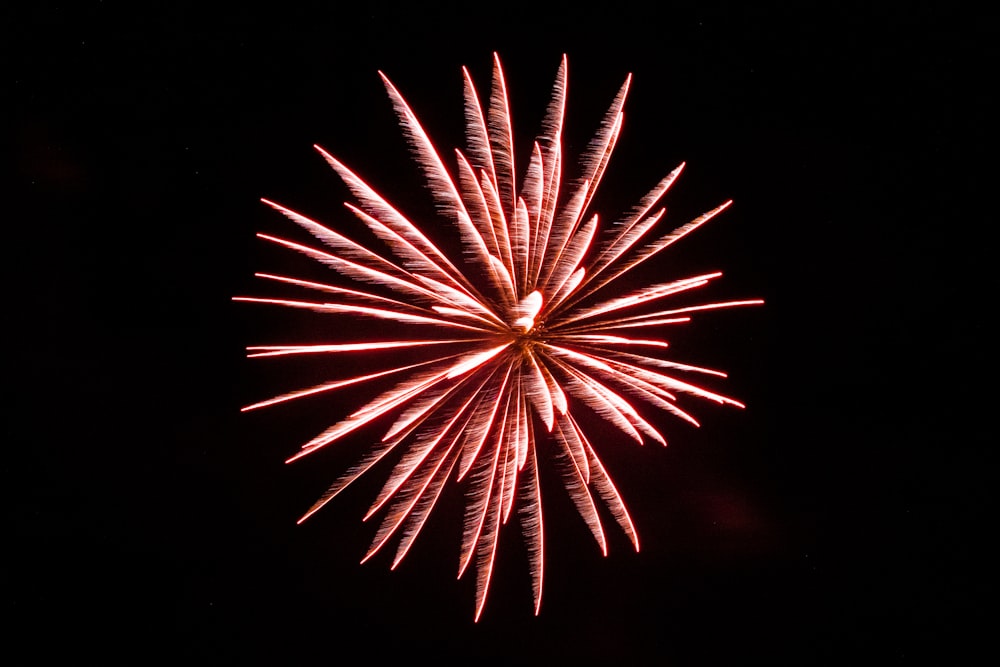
[
  {"x": 325, "y": 153},
  {"x": 315, "y": 508},
  {"x": 296, "y": 457}
]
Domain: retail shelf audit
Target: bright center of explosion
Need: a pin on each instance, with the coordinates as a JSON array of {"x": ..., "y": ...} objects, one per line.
[
  {"x": 525, "y": 340},
  {"x": 525, "y": 313}
]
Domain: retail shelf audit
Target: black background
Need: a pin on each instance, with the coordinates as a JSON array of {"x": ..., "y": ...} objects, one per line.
[{"x": 833, "y": 518}]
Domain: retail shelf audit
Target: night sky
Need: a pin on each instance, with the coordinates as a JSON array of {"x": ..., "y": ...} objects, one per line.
[{"x": 835, "y": 518}]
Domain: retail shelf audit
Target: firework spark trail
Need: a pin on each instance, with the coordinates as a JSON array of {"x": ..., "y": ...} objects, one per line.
[{"x": 522, "y": 339}]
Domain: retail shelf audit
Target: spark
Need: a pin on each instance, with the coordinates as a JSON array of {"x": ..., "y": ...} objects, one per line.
[{"x": 523, "y": 321}]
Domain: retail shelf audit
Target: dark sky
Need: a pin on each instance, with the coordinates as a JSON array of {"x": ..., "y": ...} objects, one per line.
[{"x": 834, "y": 517}]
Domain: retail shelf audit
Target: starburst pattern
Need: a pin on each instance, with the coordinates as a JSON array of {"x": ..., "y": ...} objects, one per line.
[{"x": 505, "y": 345}]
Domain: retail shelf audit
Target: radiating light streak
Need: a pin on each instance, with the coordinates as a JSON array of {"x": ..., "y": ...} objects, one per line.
[
  {"x": 329, "y": 386},
  {"x": 281, "y": 350},
  {"x": 528, "y": 345}
]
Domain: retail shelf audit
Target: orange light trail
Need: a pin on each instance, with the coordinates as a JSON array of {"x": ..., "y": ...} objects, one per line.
[{"x": 514, "y": 337}]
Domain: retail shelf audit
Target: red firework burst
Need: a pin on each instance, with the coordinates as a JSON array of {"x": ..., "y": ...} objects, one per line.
[{"x": 516, "y": 334}]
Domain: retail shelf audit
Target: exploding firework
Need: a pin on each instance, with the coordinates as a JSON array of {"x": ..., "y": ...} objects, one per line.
[{"x": 505, "y": 343}]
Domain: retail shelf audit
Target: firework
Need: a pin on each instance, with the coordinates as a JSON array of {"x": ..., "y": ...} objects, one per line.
[{"x": 506, "y": 342}]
